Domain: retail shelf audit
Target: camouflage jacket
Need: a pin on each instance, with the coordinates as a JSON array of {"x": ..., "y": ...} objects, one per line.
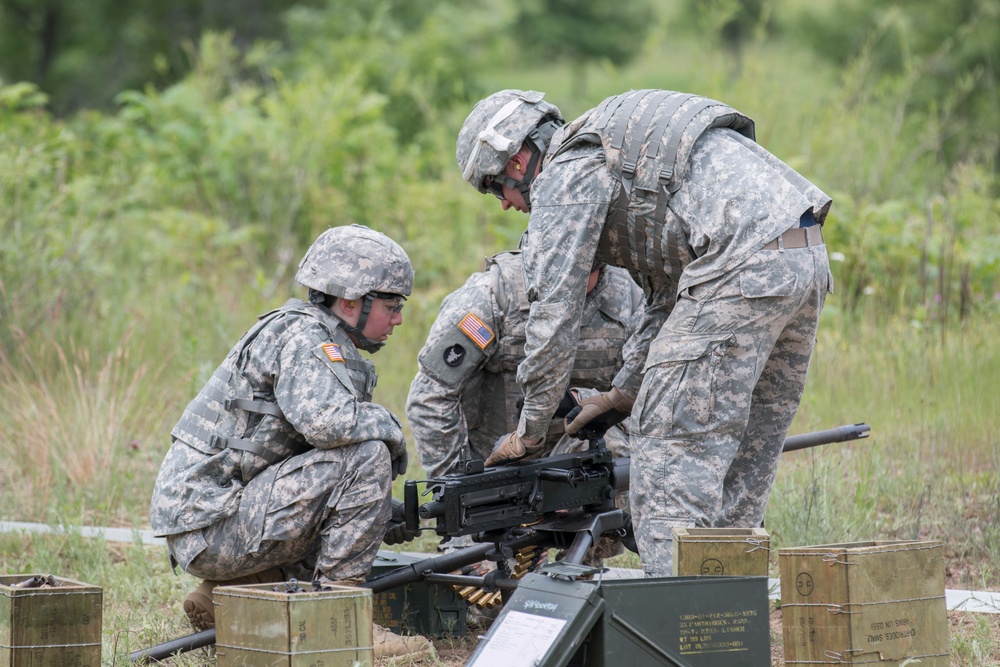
[
  {"x": 675, "y": 217},
  {"x": 293, "y": 382}
]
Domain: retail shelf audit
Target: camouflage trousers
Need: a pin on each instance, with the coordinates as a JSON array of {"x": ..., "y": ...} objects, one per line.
[
  {"x": 723, "y": 381},
  {"x": 323, "y": 512}
]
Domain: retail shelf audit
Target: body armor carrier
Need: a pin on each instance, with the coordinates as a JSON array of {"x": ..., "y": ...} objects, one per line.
[
  {"x": 603, "y": 331},
  {"x": 647, "y": 136},
  {"x": 232, "y": 411}
]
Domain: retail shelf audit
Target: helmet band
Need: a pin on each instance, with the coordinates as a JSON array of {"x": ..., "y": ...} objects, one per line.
[{"x": 490, "y": 136}]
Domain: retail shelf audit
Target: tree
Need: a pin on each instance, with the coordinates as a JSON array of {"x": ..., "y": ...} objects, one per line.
[
  {"x": 947, "y": 49},
  {"x": 732, "y": 23},
  {"x": 82, "y": 54},
  {"x": 424, "y": 56},
  {"x": 583, "y": 32}
]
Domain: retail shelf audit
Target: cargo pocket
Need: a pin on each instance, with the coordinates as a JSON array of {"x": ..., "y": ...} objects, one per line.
[
  {"x": 659, "y": 557},
  {"x": 185, "y": 547},
  {"x": 678, "y": 391},
  {"x": 769, "y": 279},
  {"x": 358, "y": 495}
]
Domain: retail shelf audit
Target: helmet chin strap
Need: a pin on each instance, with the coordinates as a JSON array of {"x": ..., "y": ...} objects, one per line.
[{"x": 355, "y": 331}]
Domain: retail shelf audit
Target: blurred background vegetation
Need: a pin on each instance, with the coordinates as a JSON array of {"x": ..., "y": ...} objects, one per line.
[{"x": 164, "y": 165}]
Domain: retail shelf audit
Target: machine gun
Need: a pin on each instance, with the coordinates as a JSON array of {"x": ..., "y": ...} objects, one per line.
[
  {"x": 564, "y": 502},
  {"x": 476, "y": 500}
]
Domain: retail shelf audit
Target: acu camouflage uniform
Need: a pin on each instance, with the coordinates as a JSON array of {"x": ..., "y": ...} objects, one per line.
[
  {"x": 281, "y": 461},
  {"x": 465, "y": 395},
  {"x": 673, "y": 188}
]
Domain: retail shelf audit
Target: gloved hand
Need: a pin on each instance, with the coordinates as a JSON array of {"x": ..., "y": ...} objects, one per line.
[
  {"x": 400, "y": 462},
  {"x": 512, "y": 447},
  {"x": 397, "y": 447},
  {"x": 601, "y": 411},
  {"x": 396, "y": 532}
]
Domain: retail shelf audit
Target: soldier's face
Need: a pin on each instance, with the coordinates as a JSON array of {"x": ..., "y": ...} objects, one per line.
[
  {"x": 513, "y": 199},
  {"x": 385, "y": 315}
]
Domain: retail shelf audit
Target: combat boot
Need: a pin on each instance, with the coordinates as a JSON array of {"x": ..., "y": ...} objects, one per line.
[
  {"x": 198, "y": 606},
  {"x": 386, "y": 643}
]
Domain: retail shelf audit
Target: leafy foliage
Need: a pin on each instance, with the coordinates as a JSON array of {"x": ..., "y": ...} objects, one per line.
[
  {"x": 947, "y": 50},
  {"x": 421, "y": 55},
  {"x": 581, "y": 32},
  {"x": 732, "y": 24},
  {"x": 84, "y": 53}
]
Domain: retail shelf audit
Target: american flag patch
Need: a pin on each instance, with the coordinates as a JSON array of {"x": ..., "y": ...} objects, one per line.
[
  {"x": 332, "y": 352},
  {"x": 474, "y": 328}
]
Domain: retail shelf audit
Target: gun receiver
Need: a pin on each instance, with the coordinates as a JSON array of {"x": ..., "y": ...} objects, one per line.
[{"x": 518, "y": 494}]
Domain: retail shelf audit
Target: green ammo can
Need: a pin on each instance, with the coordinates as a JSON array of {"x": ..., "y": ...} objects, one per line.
[
  {"x": 432, "y": 610},
  {"x": 681, "y": 621}
]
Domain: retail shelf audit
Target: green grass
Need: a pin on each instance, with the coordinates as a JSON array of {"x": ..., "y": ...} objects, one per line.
[{"x": 928, "y": 470}]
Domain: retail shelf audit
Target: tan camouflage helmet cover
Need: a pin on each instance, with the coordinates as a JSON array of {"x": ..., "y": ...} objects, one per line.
[
  {"x": 352, "y": 261},
  {"x": 495, "y": 130}
]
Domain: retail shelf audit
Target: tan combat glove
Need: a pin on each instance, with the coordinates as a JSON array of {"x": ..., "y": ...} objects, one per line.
[
  {"x": 601, "y": 412},
  {"x": 512, "y": 447}
]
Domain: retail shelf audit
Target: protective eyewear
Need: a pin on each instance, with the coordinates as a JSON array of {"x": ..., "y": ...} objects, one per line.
[
  {"x": 493, "y": 186},
  {"x": 393, "y": 302}
]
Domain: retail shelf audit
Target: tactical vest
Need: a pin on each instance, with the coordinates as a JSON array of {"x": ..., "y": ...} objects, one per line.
[
  {"x": 230, "y": 411},
  {"x": 603, "y": 331},
  {"x": 647, "y": 136}
]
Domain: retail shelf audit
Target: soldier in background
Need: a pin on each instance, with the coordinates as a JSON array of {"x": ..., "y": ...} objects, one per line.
[
  {"x": 465, "y": 395},
  {"x": 725, "y": 241},
  {"x": 282, "y": 466}
]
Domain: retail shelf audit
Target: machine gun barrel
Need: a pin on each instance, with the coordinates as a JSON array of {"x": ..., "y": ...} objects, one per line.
[
  {"x": 476, "y": 499},
  {"x": 830, "y": 435}
]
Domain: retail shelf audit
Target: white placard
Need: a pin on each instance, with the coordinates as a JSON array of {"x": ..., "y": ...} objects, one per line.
[{"x": 521, "y": 640}]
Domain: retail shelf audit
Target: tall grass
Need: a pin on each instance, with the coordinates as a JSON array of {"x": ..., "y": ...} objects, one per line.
[
  {"x": 78, "y": 435},
  {"x": 930, "y": 466}
]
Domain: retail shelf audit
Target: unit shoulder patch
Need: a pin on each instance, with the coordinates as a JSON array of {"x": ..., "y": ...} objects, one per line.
[
  {"x": 476, "y": 329},
  {"x": 454, "y": 355}
]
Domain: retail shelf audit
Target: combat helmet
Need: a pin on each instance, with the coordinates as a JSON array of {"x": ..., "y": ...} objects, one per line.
[
  {"x": 355, "y": 262},
  {"x": 496, "y": 129}
]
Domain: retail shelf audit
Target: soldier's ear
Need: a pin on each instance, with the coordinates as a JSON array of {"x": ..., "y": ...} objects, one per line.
[{"x": 518, "y": 163}]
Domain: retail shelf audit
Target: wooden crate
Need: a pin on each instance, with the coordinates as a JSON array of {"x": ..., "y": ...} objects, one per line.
[
  {"x": 864, "y": 603},
  {"x": 53, "y": 626},
  {"x": 721, "y": 551},
  {"x": 258, "y": 626}
]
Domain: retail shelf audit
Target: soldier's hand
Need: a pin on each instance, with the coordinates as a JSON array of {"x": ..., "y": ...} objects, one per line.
[
  {"x": 396, "y": 532},
  {"x": 601, "y": 411},
  {"x": 400, "y": 462},
  {"x": 396, "y": 445},
  {"x": 512, "y": 447}
]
